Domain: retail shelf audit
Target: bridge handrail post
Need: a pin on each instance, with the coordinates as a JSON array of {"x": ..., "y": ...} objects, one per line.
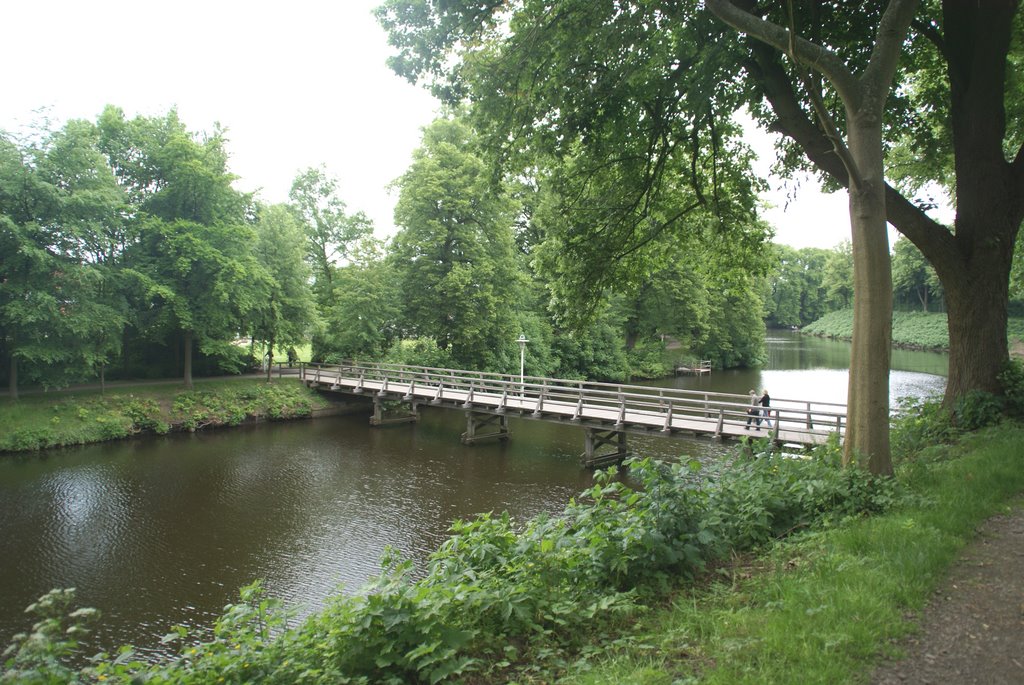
[
  {"x": 721, "y": 422},
  {"x": 540, "y": 398},
  {"x": 775, "y": 428},
  {"x": 810, "y": 418},
  {"x": 668, "y": 419},
  {"x": 622, "y": 408}
]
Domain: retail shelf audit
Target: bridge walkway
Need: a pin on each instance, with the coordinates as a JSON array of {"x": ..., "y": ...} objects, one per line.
[{"x": 617, "y": 408}]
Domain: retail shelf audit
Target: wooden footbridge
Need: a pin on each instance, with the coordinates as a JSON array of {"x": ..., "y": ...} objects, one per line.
[{"x": 607, "y": 412}]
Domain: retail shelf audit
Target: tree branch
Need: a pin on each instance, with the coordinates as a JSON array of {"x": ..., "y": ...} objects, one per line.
[{"x": 811, "y": 54}]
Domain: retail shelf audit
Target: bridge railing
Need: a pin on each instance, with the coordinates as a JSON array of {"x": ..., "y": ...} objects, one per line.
[{"x": 671, "y": 406}]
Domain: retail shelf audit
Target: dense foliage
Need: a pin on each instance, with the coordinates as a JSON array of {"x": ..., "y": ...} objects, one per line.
[{"x": 498, "y": 597}]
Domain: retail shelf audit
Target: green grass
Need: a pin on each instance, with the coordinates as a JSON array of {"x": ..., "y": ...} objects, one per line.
[
  {"x": 909, "y": 329},
  {"x": 823, "y": 607},
  {"x": 304, "y": 351},
  {"x": 86, "y": 416}
]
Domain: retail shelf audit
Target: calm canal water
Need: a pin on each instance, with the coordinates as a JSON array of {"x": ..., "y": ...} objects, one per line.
[{"x": 163, "y": 531}]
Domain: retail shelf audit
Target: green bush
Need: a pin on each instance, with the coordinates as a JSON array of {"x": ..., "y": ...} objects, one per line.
[
  {"x": 917, "y": 425},
  {"x": 977, "y": 409},
  {"x": 772, "y": 495},
  {"x": 1012, "y": 379},
  {"x": 27, "y": 438}
]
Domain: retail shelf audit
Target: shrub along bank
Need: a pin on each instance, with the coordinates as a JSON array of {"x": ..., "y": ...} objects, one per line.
[
  {"x": 62, "y": 419},
  {"x": 916, "y": 330}
]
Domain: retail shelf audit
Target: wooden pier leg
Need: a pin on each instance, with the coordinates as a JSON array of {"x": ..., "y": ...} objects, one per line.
[
  {"x": 380, "y": 417},
  {"x": 477, "y": 421},
  {"x": 594, "y": 440}
]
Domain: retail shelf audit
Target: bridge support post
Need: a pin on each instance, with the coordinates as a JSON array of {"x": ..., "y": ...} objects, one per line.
[
  {"x": 594, "y": 440},
  {"x": 380, "y": 415},
  {"x": 477, "y": 422}
]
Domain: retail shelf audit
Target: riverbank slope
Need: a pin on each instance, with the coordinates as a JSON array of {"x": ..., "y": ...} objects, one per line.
[
  {"x": 60, "y": 419},
  {"x": 912, "y": 330},
  {"x": 830, "y": 606}
]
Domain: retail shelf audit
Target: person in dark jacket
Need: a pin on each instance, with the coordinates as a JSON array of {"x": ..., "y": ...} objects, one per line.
[{"x": 766, "y": 402}]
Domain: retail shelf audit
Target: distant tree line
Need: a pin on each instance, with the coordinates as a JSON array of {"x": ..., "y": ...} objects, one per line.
[{"x": 807, "y": 283}]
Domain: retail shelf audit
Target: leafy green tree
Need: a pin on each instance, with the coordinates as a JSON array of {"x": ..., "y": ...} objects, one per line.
[
  {"x": 193, "y": 258},
  {"x": 60, "y": 312},
  {"x": 837, "y": 279},
  {"x": 361, "y": 320},
  {"x": 953, "y": 122},
  {"x": 330, "y": 230},
  {"x": 787, "y": 286},
  {"x": 285, "y": 313},
  {"x": 858, "y": 84},
  {"x": 913, "y": 278},
  {"x": 797, "y": 295},
  {"x": 454, "y": 252},
  {"x": 201, "y": 281}
]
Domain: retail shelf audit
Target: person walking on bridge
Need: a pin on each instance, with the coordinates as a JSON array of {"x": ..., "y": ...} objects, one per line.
[
  {"x": 766, "y": 402},
  {"x": 753, "y": 413}
]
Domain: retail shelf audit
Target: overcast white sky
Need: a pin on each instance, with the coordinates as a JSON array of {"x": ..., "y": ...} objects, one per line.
[{"x": 297, "y": 84}]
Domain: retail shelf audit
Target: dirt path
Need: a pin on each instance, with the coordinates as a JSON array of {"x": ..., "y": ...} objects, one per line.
[{"x": 972, "y": 630}]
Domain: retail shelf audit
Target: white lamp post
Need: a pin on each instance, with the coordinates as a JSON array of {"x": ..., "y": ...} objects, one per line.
[{"x": 522, "y": 358}]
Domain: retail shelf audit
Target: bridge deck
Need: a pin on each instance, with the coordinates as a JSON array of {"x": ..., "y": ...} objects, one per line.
[{"x": 625, "y": 408}]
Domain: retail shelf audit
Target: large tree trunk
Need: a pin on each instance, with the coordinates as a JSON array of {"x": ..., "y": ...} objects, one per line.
[
  {"x": 989, "y": 194},
  {"x": 976, "y": 300},
  {"x": 187, "y": 349},
  {"x": 867, "y": 436},
  {"x": 270, "y": 357}
]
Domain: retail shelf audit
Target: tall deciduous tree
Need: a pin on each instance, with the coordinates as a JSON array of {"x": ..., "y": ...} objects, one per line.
[
  {"x": 285, "y": 312},
  {"x": 194, "y": 254},
  {"x": 837, "y": 279},
  {"x": 669, "y": 75},
  {"x": 362, "y": 318},
  {"x": 454, "y": 252},
  {"x": 60, "y": 312},
  {"x": 859, "y": 148},
  {"x": 954, "y": 121},
  {"x": 913, "y": 279},
  {"x": 330, "y": 230}
]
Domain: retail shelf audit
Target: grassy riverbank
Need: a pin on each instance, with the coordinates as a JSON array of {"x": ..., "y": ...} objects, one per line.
[
  {"x": 917, "y": 330},
  {"x": 825, "y": 606},
  {"x": 59, "y": 419}
]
